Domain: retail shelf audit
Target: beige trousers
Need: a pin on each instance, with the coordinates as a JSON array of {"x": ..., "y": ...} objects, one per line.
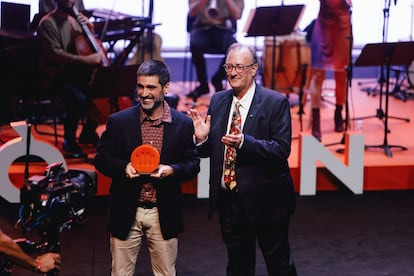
[{"x": 163, "y": 253}]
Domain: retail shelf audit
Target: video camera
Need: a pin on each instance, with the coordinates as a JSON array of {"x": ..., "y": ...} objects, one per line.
[
  {"x": 51, "y": 203},
  {"x": 55, "y": 201}
]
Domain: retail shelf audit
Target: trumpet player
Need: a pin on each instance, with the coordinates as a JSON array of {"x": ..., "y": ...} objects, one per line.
[{"x": 212, "y": 26}]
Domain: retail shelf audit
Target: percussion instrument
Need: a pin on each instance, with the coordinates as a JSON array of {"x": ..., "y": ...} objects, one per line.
[
  {"x": 410, "y": 74},
  {"x": 291, "y": 53}
]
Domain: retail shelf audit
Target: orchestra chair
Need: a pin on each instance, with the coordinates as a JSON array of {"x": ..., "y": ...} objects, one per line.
[{"x": 31, "y": 102}]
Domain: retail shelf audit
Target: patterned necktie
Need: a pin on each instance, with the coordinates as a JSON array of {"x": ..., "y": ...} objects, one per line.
[{"x": 230, "y": 156}]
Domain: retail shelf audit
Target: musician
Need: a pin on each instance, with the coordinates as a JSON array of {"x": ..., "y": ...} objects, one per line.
[
  {"x": 330, "y": 50},
  {"x": 66, "y": 73},
  {"x": 42, "y": 264},
  {"x": 212, "y": 25},
  {"x": 46, "y": 6}
]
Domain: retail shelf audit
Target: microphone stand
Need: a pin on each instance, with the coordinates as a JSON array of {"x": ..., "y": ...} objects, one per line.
[
  {"x": 381, "y": 79},
  {"x": 380, "y": 114},
  {"x": 26, "y": 160}
]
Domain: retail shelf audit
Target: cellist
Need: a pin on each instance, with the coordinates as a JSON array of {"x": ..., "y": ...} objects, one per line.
[
  {"x": 67, "y": 73},
  {"x": 46, "y": 6}
]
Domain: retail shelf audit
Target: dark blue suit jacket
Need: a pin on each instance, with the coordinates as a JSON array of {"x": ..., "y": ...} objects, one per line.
[
  {"x": 121, "y": 137},
  {"x": 262, "y": 172}
]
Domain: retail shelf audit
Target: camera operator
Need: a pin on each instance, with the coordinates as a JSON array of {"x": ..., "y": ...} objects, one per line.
[{"x": 41, "y": 264}]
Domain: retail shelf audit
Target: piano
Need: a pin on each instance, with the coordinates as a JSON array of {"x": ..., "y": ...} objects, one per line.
[{"x": 111, "y": 27}]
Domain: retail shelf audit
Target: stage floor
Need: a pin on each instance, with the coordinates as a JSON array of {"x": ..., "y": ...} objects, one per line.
[{"x": 381, "y": 172}]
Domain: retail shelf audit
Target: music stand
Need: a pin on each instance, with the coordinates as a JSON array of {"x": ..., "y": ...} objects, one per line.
[
  {"x": 113, "y": 82},
  {"x": 273, "y": 21},
  {"x": 276, "y": 21},
  {"x": 386, "y": 54}
]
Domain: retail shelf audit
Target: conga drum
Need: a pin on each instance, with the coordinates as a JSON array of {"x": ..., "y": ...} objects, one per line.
[{"x": 292, "y": 59}]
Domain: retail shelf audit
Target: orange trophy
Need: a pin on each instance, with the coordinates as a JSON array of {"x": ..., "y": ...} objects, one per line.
[{"x": 145, "y": 159}]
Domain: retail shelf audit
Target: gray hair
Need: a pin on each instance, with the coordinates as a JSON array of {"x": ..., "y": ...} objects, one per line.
[{"x": 239, "y": 46}]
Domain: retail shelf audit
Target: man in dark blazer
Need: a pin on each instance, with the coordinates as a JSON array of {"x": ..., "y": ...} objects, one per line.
[
  {"x": 147, "y": 204},
  {"x": 261, "y": 204}
]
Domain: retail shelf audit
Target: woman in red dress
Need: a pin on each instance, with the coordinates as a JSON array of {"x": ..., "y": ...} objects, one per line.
[{"x": 330, "y": 50}]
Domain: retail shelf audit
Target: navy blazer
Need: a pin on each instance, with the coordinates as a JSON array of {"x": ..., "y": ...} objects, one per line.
[
  {"x": 121, "y": 137},
  {"x": 262, "y": 171}
]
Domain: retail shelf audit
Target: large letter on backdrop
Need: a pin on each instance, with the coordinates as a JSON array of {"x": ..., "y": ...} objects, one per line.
[
  {"x": 351, "y": 172},
  {"x": 16, "y": 148}
]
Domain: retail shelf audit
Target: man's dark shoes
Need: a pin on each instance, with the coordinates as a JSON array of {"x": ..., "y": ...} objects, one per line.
[
  {"x": 199, "y": 91},
  {"x": 72, "y": 149}
]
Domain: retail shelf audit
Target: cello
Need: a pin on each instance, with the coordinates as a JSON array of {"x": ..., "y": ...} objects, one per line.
[{"x": 87, "y": 44}]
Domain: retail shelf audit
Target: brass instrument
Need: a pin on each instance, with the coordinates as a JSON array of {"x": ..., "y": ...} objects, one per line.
[{"x": 212, "y": 13}]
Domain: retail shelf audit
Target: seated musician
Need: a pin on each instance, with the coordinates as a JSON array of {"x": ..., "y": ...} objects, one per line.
[
  {"x": 46, "y": 6},
  {"x": 66, "y": 73},
  {"x": 211, "y": 27}
]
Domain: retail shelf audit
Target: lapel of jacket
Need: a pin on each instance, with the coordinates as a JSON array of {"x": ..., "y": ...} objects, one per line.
[
  {"x": 135, "y": 123},
  {"x": 169, "y": 131},
  {"x": 255, "y": 108},
  {"x": 225, "y": 110},
  {"x": 221, "y": 106}
]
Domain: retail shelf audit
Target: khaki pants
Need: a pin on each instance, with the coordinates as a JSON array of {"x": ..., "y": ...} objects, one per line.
[{"x": 163, "y": 252}]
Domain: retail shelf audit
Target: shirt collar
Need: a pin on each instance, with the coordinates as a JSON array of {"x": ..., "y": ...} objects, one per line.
[
  {"x": 246, "y": 100},
  {"x": 166, "y": 116}
]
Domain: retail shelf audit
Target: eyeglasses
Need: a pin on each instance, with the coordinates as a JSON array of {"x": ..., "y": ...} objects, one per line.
[{"x": 239, "y": 67}]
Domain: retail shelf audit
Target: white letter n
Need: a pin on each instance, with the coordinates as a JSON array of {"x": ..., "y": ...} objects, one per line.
[{"x": 351, "y": 173}]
